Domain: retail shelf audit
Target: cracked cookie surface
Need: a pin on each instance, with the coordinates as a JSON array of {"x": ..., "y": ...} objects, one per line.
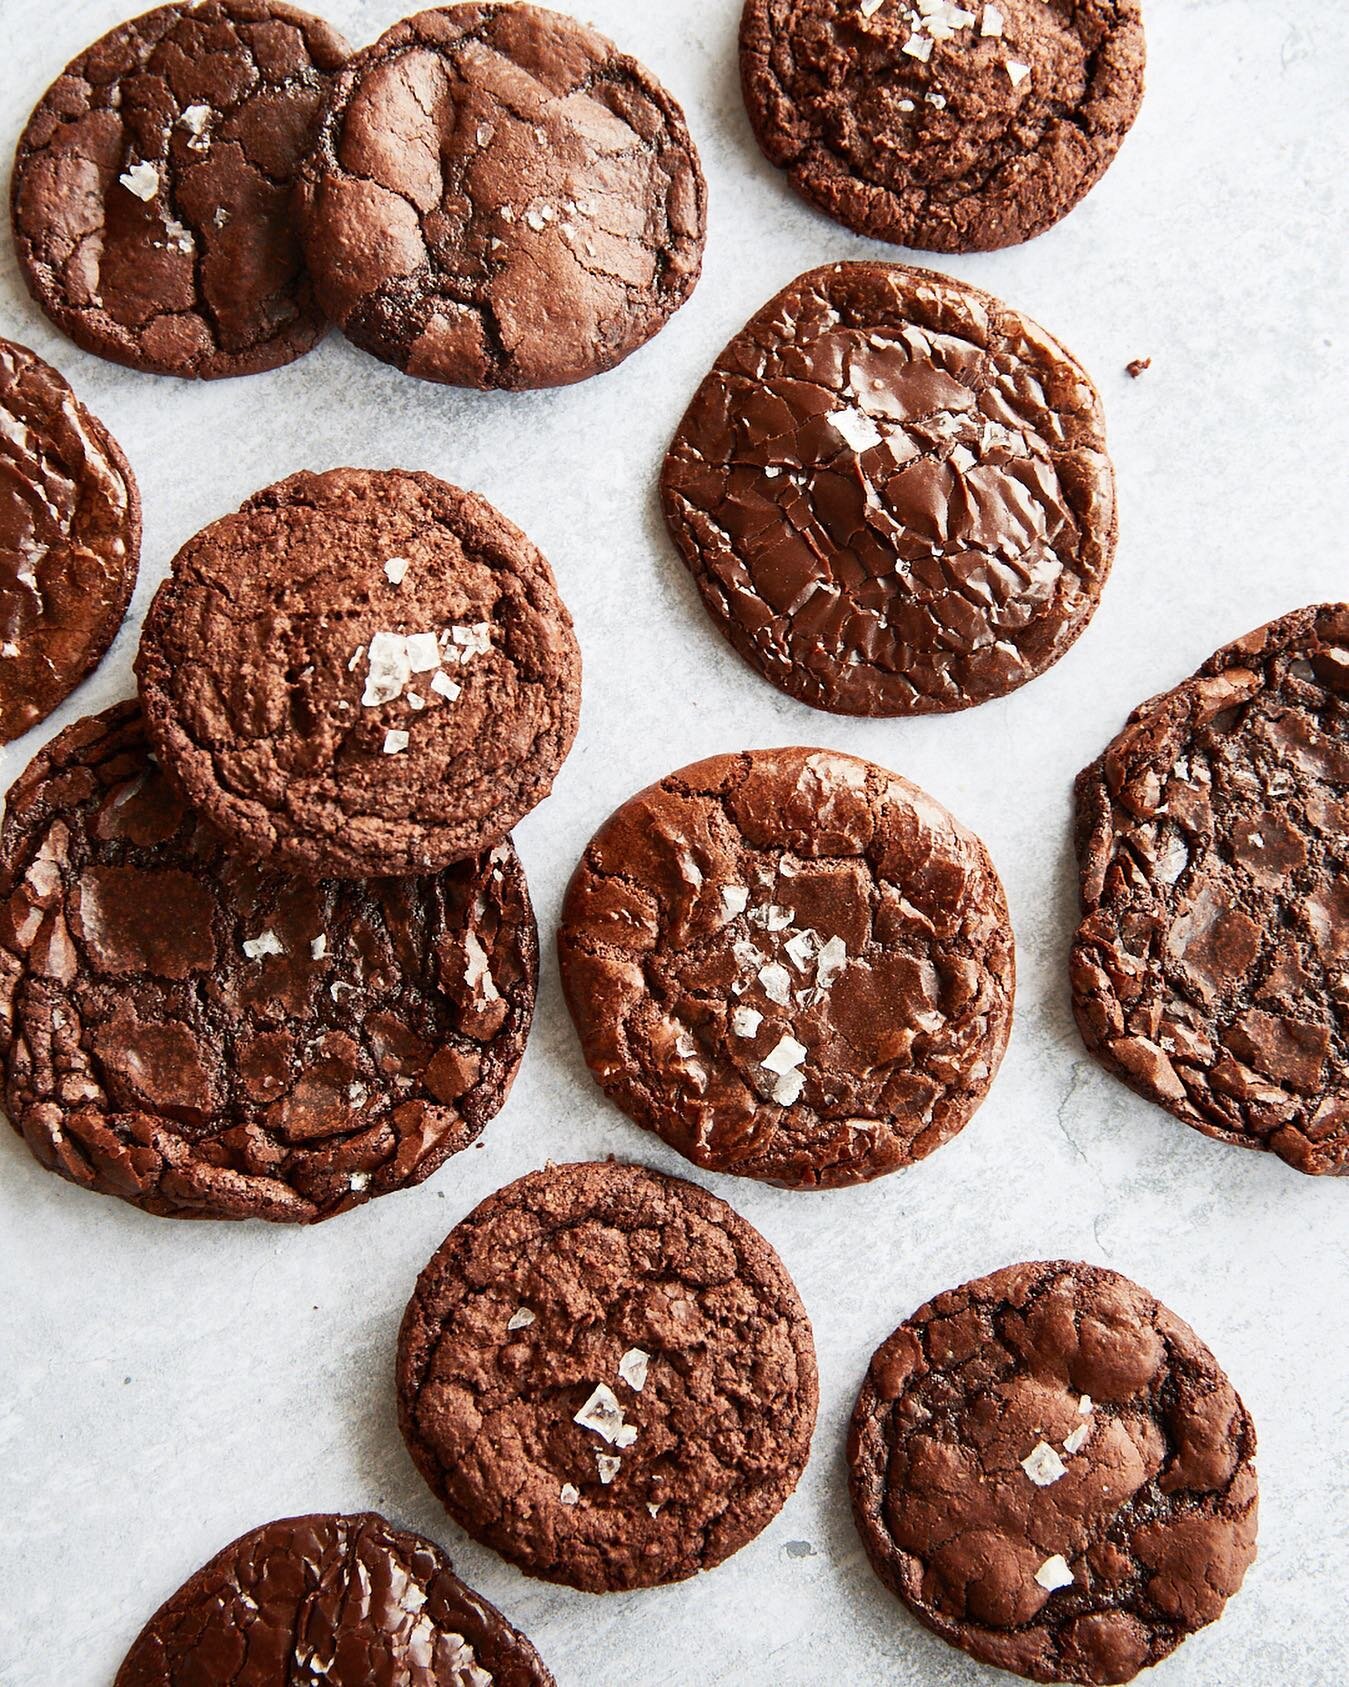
[
  {"x": 893, "y": 493},
  {"x": 204, "y": 1038},
  {"x": 1211, "y": 968},
  {"x": 948, "y": 127},
  {"x": 500, "y": 198},
  {"x": 791, "y": 965},
  {"x": 360, "y": 673},
  {"x": 342, "y": 1601},
  {"x": 70, "y": 537},
  {"x": 1051, "y": 1471},
  {"x": 606, "y": 1375},
  {"x": 152, "y": 189}
]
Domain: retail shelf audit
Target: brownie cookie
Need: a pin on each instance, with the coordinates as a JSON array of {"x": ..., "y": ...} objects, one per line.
[
  {"x": 152, "y": 188},
  {"x": 893, "y": 493},
  {"x": 955, "y": 128},
  {"x": 500, "y": 198},
  {"x": 790, "y": 964},
  {"x": 70, "y": 539},
  {"x": 361, "y": 673},
  {"x": 1052, "y": 1473},
  {"x": 607, "y": 1376},
  {"x": 1211, "y": 968},
  {"x": 207, "y": 1039},
  {"x": 343, "y": 1601}
]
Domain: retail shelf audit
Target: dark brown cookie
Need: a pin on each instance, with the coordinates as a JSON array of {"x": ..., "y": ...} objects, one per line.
[
  {"x": 950, "y": 127},
  {"x": 500, "y": 198},
  {"x": 206, "y": 1039},
  {"x": 361, "y": 673},
  {"x": 1051, "y": 1472},
  {"x": 70, "y": 539},
  {"x": 1211, "y": 968},
  {"x": 152, "y": 189},
  {"x": 608, "y": 1376},
  {"x": 790, "y": 964},
  {"x": 894, "y": 494},
  {"x": 339, "y": 1601}
]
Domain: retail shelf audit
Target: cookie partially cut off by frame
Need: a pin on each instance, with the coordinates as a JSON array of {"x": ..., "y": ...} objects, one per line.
[
  {"x": 950, "y": 125},
  {"x": 608, "y": 1376},
  {"x": 1211, "y": 967},
  {"x": 1051, "y": 1471},
  {"x": 347, "y": 1601}
]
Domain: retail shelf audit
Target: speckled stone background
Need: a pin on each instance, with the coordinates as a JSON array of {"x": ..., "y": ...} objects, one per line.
[{"x": 165, "y": 1386}]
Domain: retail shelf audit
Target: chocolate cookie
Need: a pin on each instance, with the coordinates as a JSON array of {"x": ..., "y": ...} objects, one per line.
[
  {"x": 1052, "y": 1473},
  {"x": 152, "y": 189},
  {"x": 70, "y": 539},
  {"x": 951, "y": 127},
  {"x": 361, "y": 673},
  {"x": 1211, "y": 968},
  {"x": 894, "y": 494},
  {"x": 346, "y": 1601},
  {"x": 791, "y": 965},
  {"x": 206, "y": 1039},
  {"x": 500, "y": 198},
  {"x": 606, "y": 1375}
]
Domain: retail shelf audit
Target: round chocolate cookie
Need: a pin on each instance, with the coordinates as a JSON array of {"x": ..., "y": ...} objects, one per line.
[
  {"x": 790, "y": 964},
  {"x": 70, "y": 539},
  {"x": 894, "y": 494},
  {"x": 1052, "y": 1473},
  {"x": 206, "y": 1039},
  {"x": 500, "y": 198},
  {"x": 361, "y": 673},
  {"x": 608, "y": 1376},
  {"x": 951, "y": 127},
  {"x": 341, "y": 1601},
  {"x": 1211, "y": 968},
  {"x": 152, "y": 189}
]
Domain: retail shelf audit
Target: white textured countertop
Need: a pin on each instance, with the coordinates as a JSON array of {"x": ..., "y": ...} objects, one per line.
[{"x": 165, "y": 1386}]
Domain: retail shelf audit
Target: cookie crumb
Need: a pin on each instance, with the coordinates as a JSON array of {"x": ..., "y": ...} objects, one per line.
[{"x": 1139, "y": 366}]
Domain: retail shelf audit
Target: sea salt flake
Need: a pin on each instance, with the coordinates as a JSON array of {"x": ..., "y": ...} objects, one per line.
[
  {"x": 734, "y": 899},
  {"x": 603, "y": 1414},
  {"x": 1078, "y": 1439},
  {"x": 787, "y": 1090},
  {"x": 869, "y": 8},
  {"x": 142, "y": 180},
  {"x": 359, "y": 1182},
  {"x": 413, "y": 700},
  {"x": 1054, "y": 1573},
  {"x": 904, "y": 105},
  {"x": 832, "y": 959},
  {"x": 357, "y": 1094},
  {"x": 520, "y": 1320},
  {"x": 569, "y": 1494},
  {"x": 395, "y": 742},
  {"x": 178, "y": 237},
  {"x": 195, "y": 119},
  {"x": 632, "y": 1367},
  {"x": 777, "y": 983},
  {"x": 936, "y": 100},
  {"x": 319, "y": 947},
  {"x": 397, "y": 568},
  {"x": 1085, "y": 1406},
  {"x": 745, "y": 1022},
  {"x": 786, "y": 1057},
  {"x": 856, "y": 428},
  {"x": 771, "y": 917},
  {"x": 445, "y": 687},
  {"x": 388, "y": 669},
  {"x": 268, "y": 944},
  {"x": 992, "y": 24},
  {"x": 653, "y": 1508},
  {"x": 423, "y": 653},
  {"x": 919, "y": 47},
  {"x": 609, "y": 1467},
  {"x": 802, "y": 949},
  {"x": 1017, "y": 71},
  {"x": 1043, "y": 1465},
  {"x": 473, "y": 641}
]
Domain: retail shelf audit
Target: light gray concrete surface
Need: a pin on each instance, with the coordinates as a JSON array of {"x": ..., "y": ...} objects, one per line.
[{"x": 164, "y": 1386}]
